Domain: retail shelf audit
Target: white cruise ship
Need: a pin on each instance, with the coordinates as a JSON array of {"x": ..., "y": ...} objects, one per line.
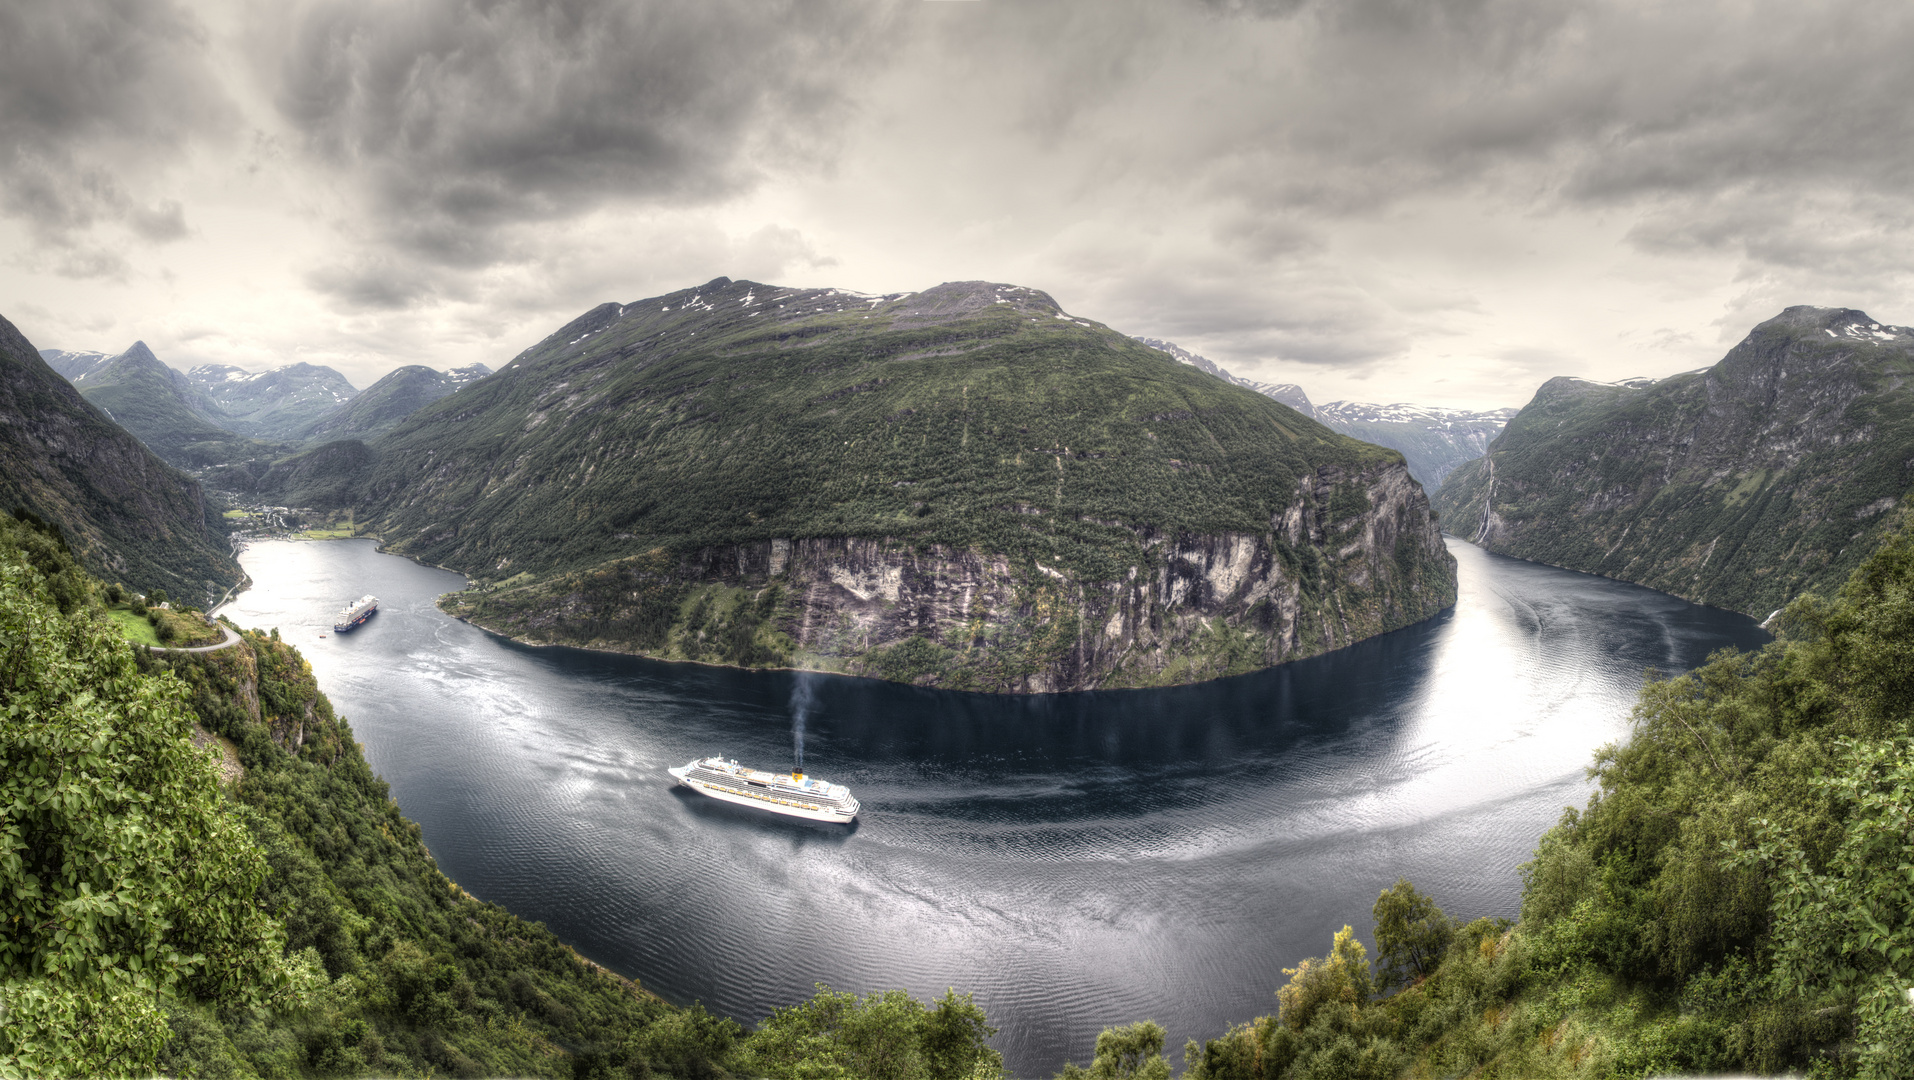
[
  {"x": 790, "y": 793},
  {"x": 355, "y": 613}
]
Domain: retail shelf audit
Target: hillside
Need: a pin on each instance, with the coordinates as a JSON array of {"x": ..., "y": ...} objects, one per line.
[
  {"x": 965, "y": 487},
  {"x": 380, "y": 407},
  {"x": 1434, "y": 440},
  {"x": 1742, "y": 485},
  {"x": 164, "y": 410},
  {"x": 277, "y": 404},
  {"x": 129, "y": 516}
]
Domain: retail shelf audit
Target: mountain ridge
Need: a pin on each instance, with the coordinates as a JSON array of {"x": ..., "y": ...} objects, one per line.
[{"x": 1742, "y": 485}]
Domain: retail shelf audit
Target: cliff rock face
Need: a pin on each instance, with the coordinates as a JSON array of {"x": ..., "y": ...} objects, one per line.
[
  {"x": 1209, "y": 605},
  {"x": 1742, "y": 485}
]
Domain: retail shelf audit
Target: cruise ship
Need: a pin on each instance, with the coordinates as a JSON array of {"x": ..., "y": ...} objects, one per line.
[
  {"x": 355, "y": 613},
  {"x": 790, "y": 793}
]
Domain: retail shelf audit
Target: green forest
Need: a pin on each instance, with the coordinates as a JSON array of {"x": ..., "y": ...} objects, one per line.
[{"x": 201, "y": 876}]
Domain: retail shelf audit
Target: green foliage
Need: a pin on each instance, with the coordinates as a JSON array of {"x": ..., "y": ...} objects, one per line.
[
  {"x": 1847, "y": 924},
  {"x": 1132, "y": 1052},
  {"x": 1341, "y": 978},
  {"x": 1412, "y": 935},
  {"x": 883, "y": 1036},
  {"x": 124, "y": 876}
]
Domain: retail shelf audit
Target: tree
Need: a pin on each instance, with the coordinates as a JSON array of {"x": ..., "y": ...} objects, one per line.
[
  {"x": 1131, "y": 1052},
  {"x": 886, "y": 1035},
  {"x": 1412, "y": 935},
  {"x": 1341, "y": 977},
  {"x": 124, "y": 876}
]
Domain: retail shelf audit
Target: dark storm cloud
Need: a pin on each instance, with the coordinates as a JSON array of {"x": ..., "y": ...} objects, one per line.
[
  {"x": 1778, "y": 134},
  {"x": 462, "y": 119},
  {"x": 1581, "y": 103},
  {"x": 95, "y": 97}
]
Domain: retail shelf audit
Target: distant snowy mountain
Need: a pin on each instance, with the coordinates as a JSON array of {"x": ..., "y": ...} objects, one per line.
[
  {"x": 1434, "y": 440},
  {"x": 272, "y": 404},
  {"x": 76, "y": 365}
]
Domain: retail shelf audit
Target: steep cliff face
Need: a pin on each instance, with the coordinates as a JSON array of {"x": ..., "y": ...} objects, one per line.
[
  {"x": 1743, "y": 485},
  {"x": 1205, "y": 606}
]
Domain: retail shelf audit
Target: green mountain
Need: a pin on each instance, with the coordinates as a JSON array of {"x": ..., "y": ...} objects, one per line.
[
  {"x": 964, "y": 487},
  {"x": 163, "y": 408},
  {"x": 382, "y": 405},
  {"x": 1742, "y": 485},
  {"x": 279, "y": 404},
  {"x": 129, "y": 516}
]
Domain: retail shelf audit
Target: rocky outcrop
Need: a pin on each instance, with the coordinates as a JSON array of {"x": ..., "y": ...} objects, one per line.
[
  {"x": 1742, "y": 485},
  {"x": 1201, "y": 607}
]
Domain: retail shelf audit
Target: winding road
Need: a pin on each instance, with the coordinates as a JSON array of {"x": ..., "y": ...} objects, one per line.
[{"x": 232, "y": 638}]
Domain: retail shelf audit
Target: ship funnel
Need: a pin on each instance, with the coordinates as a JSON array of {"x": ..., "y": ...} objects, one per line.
[{"x": 797, "y": 776}]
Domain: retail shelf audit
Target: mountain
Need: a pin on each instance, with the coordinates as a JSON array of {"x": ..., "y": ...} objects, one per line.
[
  {"x": 964, "y": 487},
  {"x": 1741, "y": 485},
  {"x": 162, "y": 407},
  {"x": 75, "y": 365},
  {"x": 1434, "y": 440},
  {"x": 380, "y": 407},
  {"x": 1288, "y": 393},
  {"x": 275, "y": 404},
  {"x": 128, "y": 516}
]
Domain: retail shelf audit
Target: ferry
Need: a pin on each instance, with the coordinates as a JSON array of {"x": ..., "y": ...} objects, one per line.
[
  {"x": 355, "y": 613},
  {"x": 790, "y": 793}
]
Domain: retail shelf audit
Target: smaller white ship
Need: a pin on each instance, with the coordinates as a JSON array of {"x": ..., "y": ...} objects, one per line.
[
  {"x": 355, "y": 613},
  {"x": 790, "y": 793}
]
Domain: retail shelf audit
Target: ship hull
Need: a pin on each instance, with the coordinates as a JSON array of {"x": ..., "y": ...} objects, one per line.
[
  {"x": 773, "y": 801},
  {"x": 340, "y": 628}
]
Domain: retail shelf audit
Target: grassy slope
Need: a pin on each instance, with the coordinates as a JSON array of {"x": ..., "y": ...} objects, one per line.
[
  {"x": 997, "y": 425},
  {"x": 1716, "y": 486},
  {"x": 130, "y": 517}
]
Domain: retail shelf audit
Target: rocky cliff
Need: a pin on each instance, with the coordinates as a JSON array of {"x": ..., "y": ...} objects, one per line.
[
  {"x": 1741, "y": 485},
  {"x": 1201, "y": 607}
]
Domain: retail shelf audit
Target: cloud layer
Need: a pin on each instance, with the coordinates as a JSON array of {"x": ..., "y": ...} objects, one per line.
[{"x": 1439, "y": 197}]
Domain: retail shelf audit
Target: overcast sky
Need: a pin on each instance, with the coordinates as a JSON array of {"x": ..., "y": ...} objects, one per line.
[{"x": 1438, "y": 201}]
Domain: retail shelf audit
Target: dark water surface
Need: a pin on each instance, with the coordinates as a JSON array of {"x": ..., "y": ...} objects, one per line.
[{"x": 1075, "y": 860}]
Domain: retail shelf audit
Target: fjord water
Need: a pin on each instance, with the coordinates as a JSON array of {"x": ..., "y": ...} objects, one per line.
[{"x": 1075, "y": 860}]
